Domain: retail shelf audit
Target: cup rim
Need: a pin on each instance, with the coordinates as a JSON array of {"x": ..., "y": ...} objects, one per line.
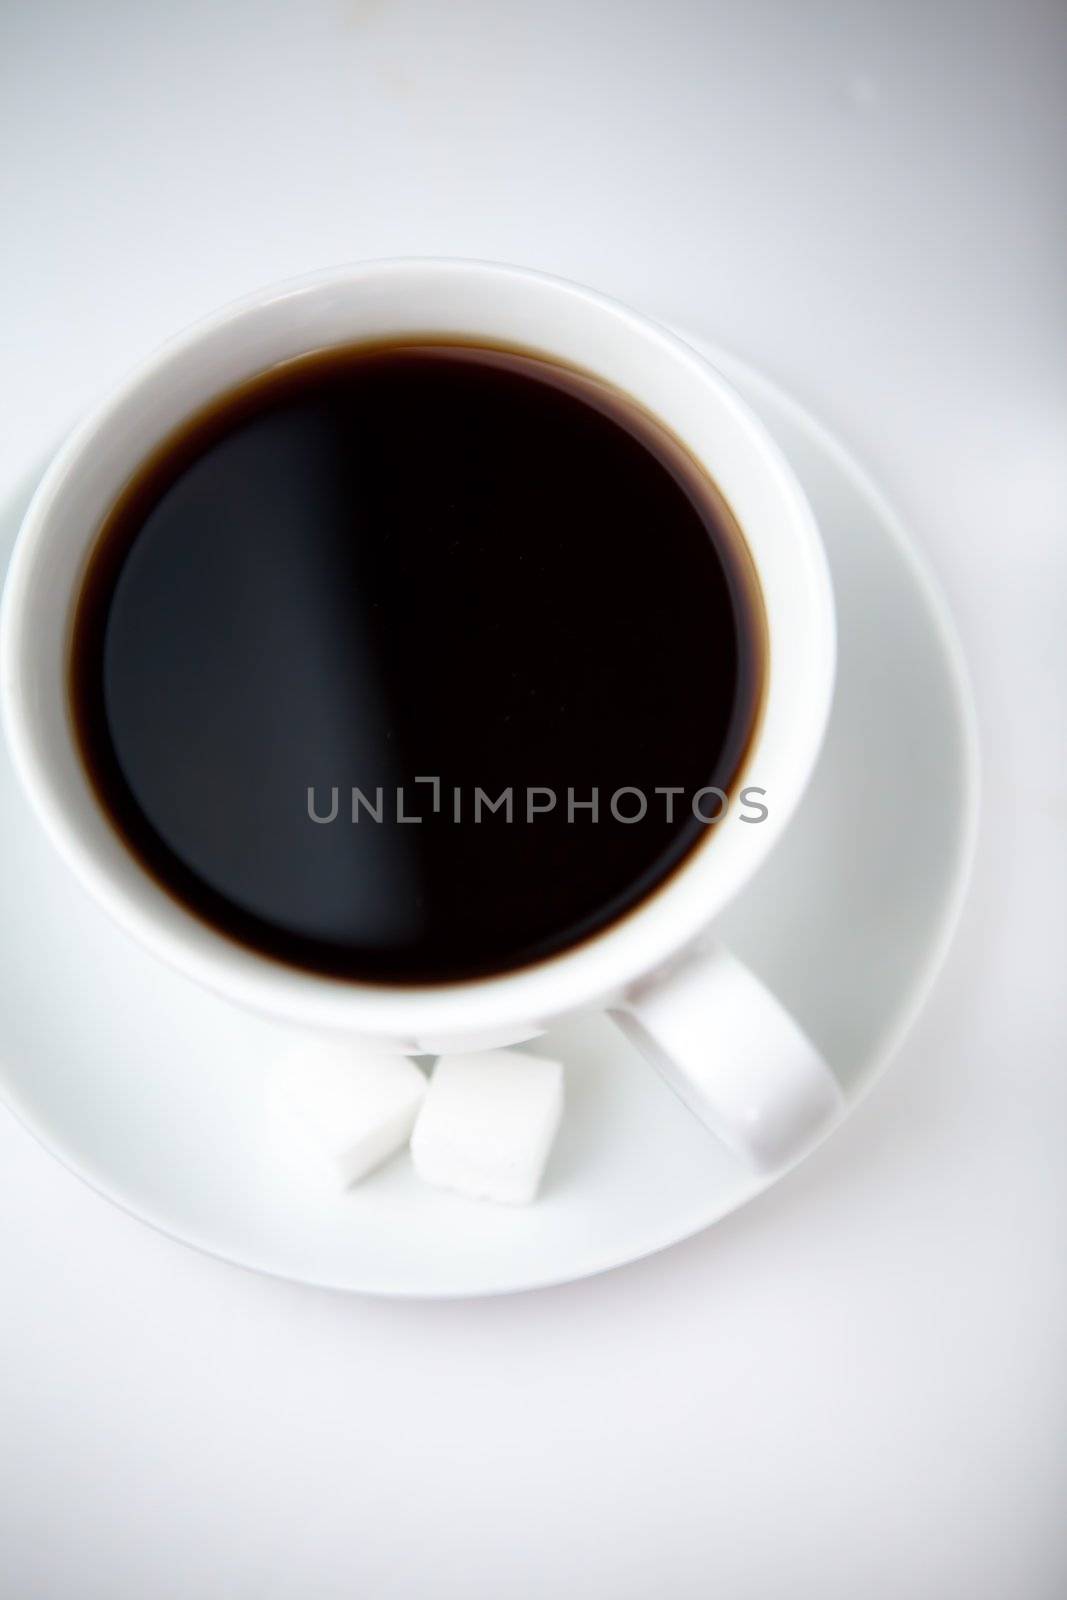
[{"x": 584, "y": 975}]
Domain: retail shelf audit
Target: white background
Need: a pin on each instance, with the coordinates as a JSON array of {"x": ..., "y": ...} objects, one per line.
[{"x": 856, "y": 1387}]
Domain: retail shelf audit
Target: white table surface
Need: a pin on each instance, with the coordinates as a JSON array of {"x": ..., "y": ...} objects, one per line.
[{"x": 856, "y": 1386}]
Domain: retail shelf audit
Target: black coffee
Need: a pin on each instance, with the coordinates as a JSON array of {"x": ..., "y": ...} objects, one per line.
[{"x": 373, "y": 568}]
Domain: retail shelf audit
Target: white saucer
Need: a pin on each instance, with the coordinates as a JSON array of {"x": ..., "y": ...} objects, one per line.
[{"x": 149, "y": 1088}]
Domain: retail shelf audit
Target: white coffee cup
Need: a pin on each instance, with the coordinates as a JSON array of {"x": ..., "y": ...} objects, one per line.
[{"x": 723, "y": 1042}]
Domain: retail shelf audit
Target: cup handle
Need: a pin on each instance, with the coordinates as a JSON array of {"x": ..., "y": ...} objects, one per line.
[{"x": 734, "y": 1055}]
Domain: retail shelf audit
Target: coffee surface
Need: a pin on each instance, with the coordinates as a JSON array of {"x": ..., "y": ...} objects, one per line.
[{"x": 373, "y": 567}]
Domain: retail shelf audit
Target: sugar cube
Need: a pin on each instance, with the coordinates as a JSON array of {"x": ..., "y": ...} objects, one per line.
[
  {"x": 339, "y": 1114},
  {"x": 487, "y": 1124}
]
